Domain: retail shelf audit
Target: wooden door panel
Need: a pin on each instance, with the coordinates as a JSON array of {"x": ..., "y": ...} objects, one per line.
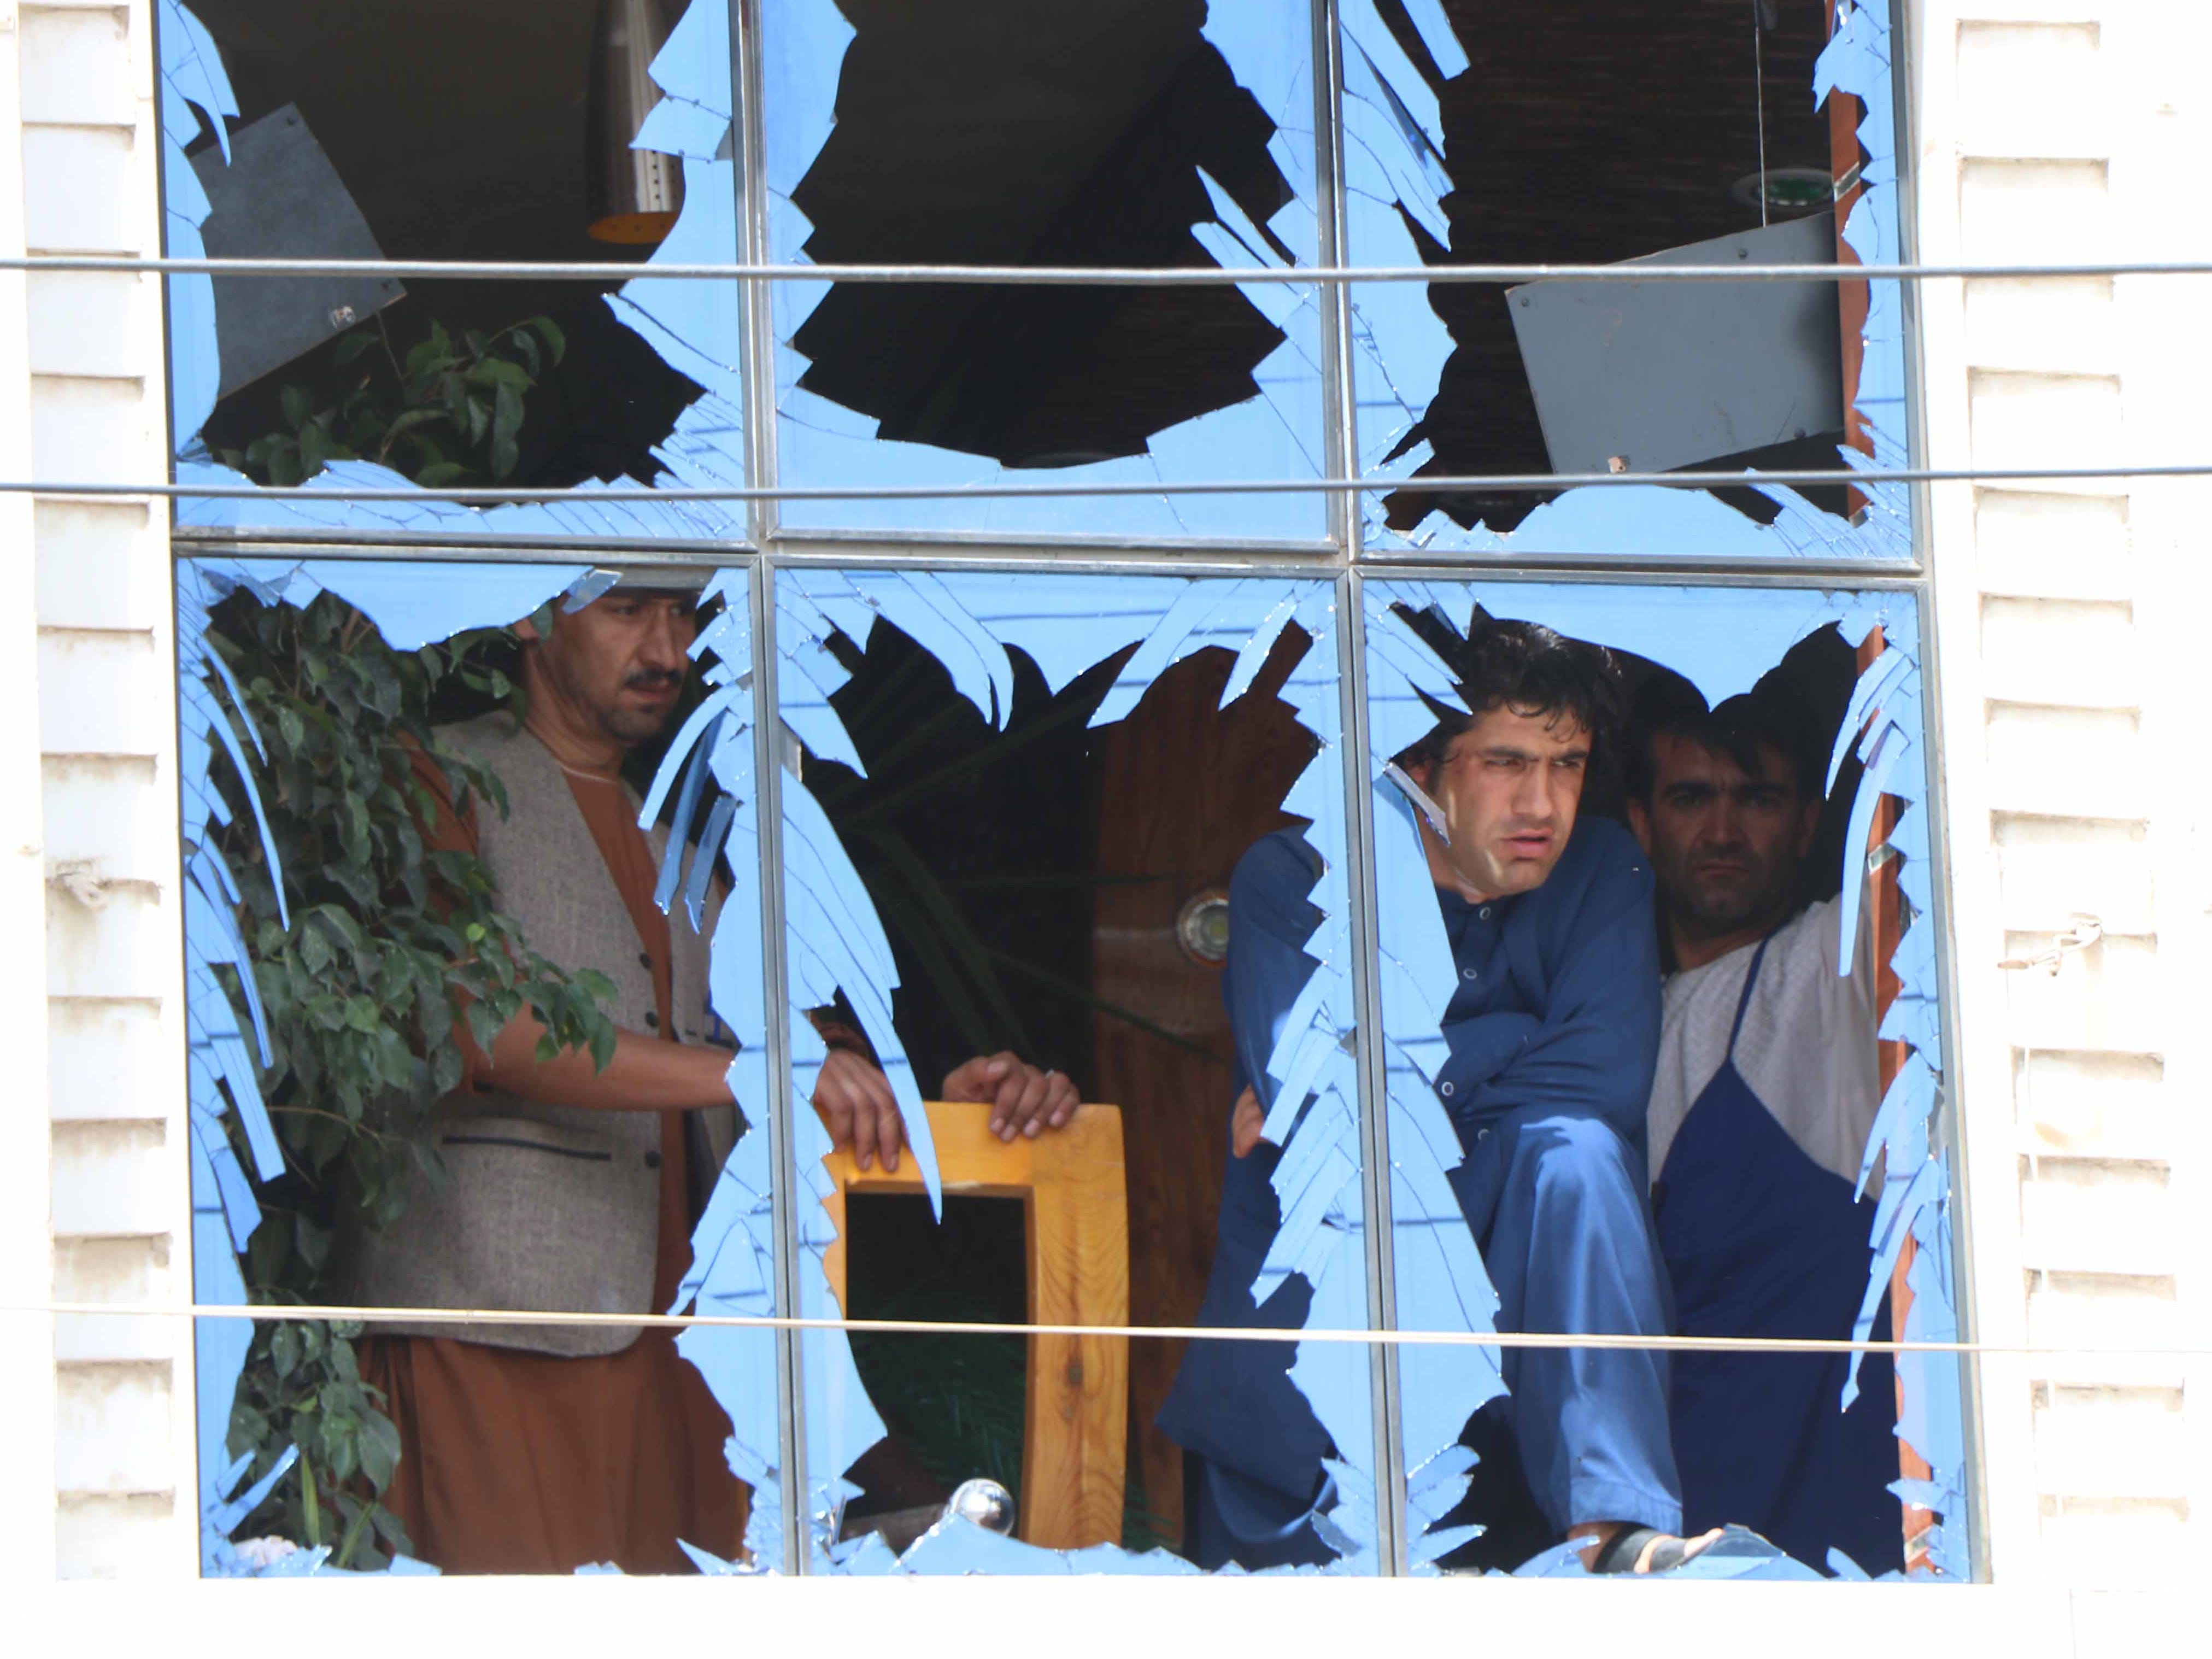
[{"x": 1187, "y": 786}]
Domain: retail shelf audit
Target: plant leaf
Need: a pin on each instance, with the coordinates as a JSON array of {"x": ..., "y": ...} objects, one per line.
[
  {"x": 507, "y": 421},
  {"x": 548, "y": 330}
]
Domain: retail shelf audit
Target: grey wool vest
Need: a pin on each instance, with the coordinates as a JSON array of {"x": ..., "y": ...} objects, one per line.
[{"x": 545, "y": 1208}]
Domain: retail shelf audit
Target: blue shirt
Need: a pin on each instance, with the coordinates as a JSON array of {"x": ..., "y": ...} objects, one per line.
[{"x": 1557, "y": 1005}]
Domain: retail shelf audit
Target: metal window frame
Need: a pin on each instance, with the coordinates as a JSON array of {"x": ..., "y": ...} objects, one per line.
[{"x": 1342, "y": 558}]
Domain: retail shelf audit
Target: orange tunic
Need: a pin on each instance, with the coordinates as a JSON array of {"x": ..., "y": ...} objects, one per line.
[{"x": 526, "y": 1462}]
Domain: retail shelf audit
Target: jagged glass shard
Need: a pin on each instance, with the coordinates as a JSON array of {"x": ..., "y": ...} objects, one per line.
[
  {"x": 942, "y": 133},
  {"x": 694, "y": 328},
  {"x": 1437, "y": 378},
  {"x": 192, "y": 79},
  {"x": 1064, "y": 624}
]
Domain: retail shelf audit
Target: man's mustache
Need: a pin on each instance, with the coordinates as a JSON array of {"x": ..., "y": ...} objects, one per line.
[{"x": 648, "y": 679}]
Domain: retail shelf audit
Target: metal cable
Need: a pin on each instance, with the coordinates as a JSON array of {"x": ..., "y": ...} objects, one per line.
[
  {"x": 1429, "y": 484},
  {"x": 986, "y": 1327},
  {"x": 1759, "y": 82},
  {"x": 1088, "y": 275}
]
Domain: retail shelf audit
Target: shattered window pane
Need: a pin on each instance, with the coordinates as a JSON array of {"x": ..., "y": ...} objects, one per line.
[
  {"x": 1060, "y": 852},
  {"x": 1144, "y": 133},
  {"x": 1733, "y": 799},
  {"x": 1064, "y": 855},
  {"x": 472, "y": 1028},
  {"x": 437, "y": 130},
  {"x": 1595, "y": 133}
]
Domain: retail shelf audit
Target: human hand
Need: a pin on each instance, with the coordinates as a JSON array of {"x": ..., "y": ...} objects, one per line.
[
  {"x": 855, "y": 1099},
  {"x": 1024, "y": 1101},
  {"x": 1245, "y": 1123}
]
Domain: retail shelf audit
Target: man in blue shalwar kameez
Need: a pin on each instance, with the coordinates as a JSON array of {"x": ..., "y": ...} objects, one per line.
[{"x": 1553, "y": 1029}]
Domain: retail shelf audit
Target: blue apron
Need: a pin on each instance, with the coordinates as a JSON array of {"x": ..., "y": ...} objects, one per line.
[{"x": 1761, "y": 1241}]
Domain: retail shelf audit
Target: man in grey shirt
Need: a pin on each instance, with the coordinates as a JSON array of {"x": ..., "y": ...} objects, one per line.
[{"x": 1767, "y": 1085}]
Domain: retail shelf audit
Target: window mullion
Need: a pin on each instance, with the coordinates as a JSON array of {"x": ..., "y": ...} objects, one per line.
[
  {"x": 757, "y": 296},
  {"x": 767, "y": 773},
  {"x": 1374, "y": 1128},
  {"x": 1341, "y": 447}
]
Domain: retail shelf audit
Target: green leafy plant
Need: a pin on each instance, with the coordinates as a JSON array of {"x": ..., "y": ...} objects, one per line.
[
  {"x": 449, "y": 412},
  {"x": 389, "y": 945}
]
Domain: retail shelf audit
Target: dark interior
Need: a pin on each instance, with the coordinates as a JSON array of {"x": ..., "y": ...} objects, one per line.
[
  {"x": 953, "y": 1403},
  {"x": 1585, "y": 129},
  {"x": 978, "y": 848},
  {"x": 1054, "y": 136}
]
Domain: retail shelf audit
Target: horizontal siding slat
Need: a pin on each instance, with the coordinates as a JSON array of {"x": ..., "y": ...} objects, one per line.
[
  {"x": 115, "y": 1179},
  {"x": 76, "y": 65},
  {"x": 114, "y": 1430},
  {"x": 110, "y": 1058},
  {"x": 100, "y": 564}
]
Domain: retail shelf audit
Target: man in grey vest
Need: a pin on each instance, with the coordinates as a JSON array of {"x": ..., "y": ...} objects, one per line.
[{"x": 533, "y": 1448}]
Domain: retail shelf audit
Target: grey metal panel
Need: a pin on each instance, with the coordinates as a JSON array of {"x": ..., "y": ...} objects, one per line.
[
  {"x": 1645, "y": 377},
  {"x": 280, "y": 198}
]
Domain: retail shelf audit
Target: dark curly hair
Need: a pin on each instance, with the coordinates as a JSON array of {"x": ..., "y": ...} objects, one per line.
[
  {"x": 1743, "y": 728},
  {"x": 1520, "y": 666}
]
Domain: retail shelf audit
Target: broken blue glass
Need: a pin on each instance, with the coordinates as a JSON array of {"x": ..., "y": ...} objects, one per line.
[
  {"x": 694, "y": 328},
  {"x": 1721, "y": 640},
  {"x": 970, "y": 622},
  {"x": 1447, "y": 162},
  {"x": 733, "y": 1244},
  {"x": 1008, "y": 134}
]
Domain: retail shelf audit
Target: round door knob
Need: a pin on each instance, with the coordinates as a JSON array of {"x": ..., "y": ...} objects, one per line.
[
  {"x": 985, "y": 1502},
  {"x": 1203, "y": 926}
]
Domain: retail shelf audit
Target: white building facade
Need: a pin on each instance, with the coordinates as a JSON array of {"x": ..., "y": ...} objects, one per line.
[{"x": 2067, "y": 687}]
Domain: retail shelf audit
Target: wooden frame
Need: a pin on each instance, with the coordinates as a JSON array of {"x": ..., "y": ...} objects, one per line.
[
  {"x": 1075, "y": 1443},
  {"x": 1883, "y": 897}
]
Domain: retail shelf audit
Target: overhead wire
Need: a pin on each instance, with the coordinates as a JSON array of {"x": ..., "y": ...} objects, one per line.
[
  {"x": 333, "y": 1313},
  {"x": 1092, "y": 276},
  {"x": 1794, "y": 477},
  {"x": 1140, "y": 276}
]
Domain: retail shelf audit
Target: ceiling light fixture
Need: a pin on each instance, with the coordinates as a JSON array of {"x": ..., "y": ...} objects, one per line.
[
  {"x": 1790, "y": 194},
  {"x": 635, "y": 195}
]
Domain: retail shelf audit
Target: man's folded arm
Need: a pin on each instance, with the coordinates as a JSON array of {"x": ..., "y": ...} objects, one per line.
[{"x": 1592, "y": 1052}]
